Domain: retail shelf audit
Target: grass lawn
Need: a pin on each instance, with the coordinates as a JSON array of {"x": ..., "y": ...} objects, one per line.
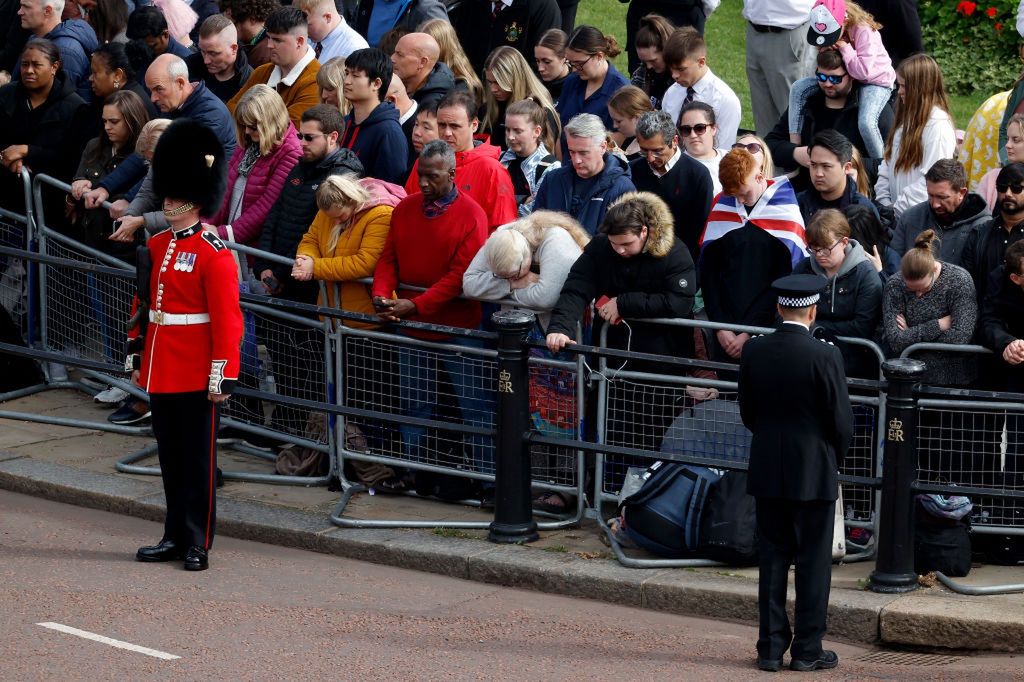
[{"x": 727, "y": 51}]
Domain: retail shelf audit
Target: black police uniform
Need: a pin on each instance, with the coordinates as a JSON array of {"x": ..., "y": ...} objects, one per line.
[{"x": 794, "y": 400}]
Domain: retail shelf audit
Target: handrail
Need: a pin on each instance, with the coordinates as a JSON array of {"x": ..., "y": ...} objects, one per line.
[{"x": 970, "y": 348}]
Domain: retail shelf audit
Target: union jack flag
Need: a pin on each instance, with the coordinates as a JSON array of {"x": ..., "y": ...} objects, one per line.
[{"x": 776, "y": 212}]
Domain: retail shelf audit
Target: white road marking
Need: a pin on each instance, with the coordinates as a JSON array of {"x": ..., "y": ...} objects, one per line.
[{"x": 107, "y": 640}]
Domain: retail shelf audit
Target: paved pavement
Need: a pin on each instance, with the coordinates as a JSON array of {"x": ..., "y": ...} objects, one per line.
[
  {"x": 267, "y": 612},
  {"x": 76, "y": 465}
]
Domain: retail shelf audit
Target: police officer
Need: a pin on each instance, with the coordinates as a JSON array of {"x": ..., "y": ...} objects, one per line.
[
  {"x": 189, "y": 339},
  {"x": 793, "y": 398}
]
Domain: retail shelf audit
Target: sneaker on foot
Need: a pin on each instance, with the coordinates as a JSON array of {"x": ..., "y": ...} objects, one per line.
[
  {"x": 112, "y": 396},
  {"x": 131, "y": 413}
]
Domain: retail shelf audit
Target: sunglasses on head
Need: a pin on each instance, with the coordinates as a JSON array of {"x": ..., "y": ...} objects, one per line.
[
  {"x": 700, "y": 129},
  {"x": 1015, "y": 188},
  {"x": 752, "y": 147},
  {"x": 833, "y": 79}
]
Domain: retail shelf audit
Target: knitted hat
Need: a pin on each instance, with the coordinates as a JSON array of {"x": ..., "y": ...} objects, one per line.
[
  {"x": 827, "y": 19},
  {"x": 189, "y": 165}
]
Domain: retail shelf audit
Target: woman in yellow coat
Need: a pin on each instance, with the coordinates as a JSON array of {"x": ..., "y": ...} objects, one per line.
[
  {"x": 340, "y": 248},
  {"x": 346, "y": 238}
]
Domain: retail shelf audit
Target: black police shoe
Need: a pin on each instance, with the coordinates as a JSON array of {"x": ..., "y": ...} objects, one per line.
[
  {"x": 826, "y": 661},
  {"x": 772, "y": 665},
  {"x": 165, "y": 550},
  {"x": 196, "y": 559}
]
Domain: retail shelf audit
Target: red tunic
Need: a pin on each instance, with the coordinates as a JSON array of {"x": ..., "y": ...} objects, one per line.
[
  {"x": 479, "y": 174},
  {"x": 193, "y": 273}
]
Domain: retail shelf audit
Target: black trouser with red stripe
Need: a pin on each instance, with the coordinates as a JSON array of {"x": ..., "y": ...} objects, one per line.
[{"x": 185, "y": 426}]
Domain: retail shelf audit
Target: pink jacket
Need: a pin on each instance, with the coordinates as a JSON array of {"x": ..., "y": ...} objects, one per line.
[
  {"x": 261, "y": 190},
  {"x": 866, "y": 58}
]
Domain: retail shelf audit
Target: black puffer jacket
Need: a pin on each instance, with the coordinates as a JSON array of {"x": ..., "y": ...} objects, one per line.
[
  {"x": 658, "y": 283},
  {"x": 295, "y": 209},
  {"x": 54, "y": 132}
]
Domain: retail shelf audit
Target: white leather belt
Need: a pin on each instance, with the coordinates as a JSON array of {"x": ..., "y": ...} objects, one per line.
[{"x": 177, "y": 319}]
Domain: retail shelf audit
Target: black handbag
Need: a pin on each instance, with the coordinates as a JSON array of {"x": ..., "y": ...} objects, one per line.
[
  {"x": 729, "y": 528},
  {"x": 941, "y": 545}
]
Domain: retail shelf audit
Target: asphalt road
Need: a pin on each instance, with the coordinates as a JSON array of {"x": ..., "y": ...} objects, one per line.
[{"x": 265, "y": 612}]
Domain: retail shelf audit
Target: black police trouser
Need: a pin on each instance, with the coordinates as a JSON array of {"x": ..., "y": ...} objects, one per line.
[
  {"x": 185, "y": 426},
  {"x": 794, "y": 532}
]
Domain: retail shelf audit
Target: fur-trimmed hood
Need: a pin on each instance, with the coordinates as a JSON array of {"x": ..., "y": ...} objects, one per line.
[{"x": 658, "y": 218}]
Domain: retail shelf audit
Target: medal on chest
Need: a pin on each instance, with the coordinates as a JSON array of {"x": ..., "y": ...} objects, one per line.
[{"x": 185, "y": 261}]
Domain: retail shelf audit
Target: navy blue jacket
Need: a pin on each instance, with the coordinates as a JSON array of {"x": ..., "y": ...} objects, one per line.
[
  {"x": 379, "y": 143},
  {"x": 76, "y": 41},
  {"x": 203, "y": 106},
  {"x": 556, "y": 192}
]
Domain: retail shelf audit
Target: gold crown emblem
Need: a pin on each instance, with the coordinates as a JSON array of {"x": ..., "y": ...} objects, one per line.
[
  {"x": 504, "y": 375},
  {"x": 895, "y": 424}
]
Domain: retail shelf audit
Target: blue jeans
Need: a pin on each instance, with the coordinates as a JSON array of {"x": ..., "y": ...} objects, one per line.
[
  {"x": 873, "y": 99},
  {"x": 472, "y": 382}
]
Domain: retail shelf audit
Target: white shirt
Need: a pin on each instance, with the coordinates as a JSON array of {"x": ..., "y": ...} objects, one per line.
[
  {"x": 712, "y": 166},
  {"x": 668, "y": 166},
  {"x": 402, "y": 118},
  {"x": 713, "y": 91},
  {"x": 780, "y": 13},
  {"x": 341, "y": 42},
  {"x": 904, "y": 189},
  {"x": 277, "y": 77}
]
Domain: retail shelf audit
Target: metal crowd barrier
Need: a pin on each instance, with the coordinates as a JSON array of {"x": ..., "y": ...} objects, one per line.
[
  {"x": 664, "y": 416},
  {"x": 458, "y": 376}
]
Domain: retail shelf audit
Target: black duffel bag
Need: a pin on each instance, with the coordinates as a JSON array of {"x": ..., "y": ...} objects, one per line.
[
  {"x": 729, "y": 527},
  {"x": 941, "y": 544}
]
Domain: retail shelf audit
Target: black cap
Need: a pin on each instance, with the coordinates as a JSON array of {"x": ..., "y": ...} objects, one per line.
[{"x": 799, "y": 291}]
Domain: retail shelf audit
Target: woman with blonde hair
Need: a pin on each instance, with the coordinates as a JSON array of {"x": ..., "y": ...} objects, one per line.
[
  {"x": 526, "y": 262},
  {"x": 342, "y": 246},
  {"x": 528, "y": 158},
  {"x": 331, "y": 81},
  {"x": 626, "y": 107},
  {"x": 268, "y": 149},
  {"x": 509, "y": 79},
  {"x": 347, "y": 237},
  {"x": 921, "y": 134},
  {"x": 454, "y": 56},
  {"x": 759, "y": 149}
]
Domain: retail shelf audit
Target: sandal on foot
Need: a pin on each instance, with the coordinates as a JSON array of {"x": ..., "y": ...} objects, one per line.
[{"x": 554, "y": 503}]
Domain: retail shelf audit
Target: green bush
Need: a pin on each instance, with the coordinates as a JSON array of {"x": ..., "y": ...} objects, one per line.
[{"x": 974, "y": 43}]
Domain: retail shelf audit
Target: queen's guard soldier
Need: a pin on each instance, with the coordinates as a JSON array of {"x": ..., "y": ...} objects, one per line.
[{"x": 185, "y": 337}]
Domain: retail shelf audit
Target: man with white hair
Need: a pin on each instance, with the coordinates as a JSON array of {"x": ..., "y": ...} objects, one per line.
[
  {"x": 415, "y": 62},
  {"x": 75, "y": 39},
  {"x": 329, "y": 33},
  {"x": 176, "y": 97},
  {"x": 594, "y": 178},
  {"x": 219, "y": 63},
  {"x": 293, "y": 65}
]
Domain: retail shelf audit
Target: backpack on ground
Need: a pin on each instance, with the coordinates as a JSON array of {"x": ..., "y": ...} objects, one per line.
[
  {"x": 664, "y": 516},
  {"x": 942, "y": 540},
  {"x": 729, "y": 528}
]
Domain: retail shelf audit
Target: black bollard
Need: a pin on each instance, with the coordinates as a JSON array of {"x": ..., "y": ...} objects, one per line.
[
  {"x": 894, "y": 563},
  {"x": 513, "y": 516}
]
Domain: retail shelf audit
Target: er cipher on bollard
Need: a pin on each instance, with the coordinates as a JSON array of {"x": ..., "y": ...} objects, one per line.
[
  {"x": 894, "y": 564},
  {"x": 513, "y": 514}
]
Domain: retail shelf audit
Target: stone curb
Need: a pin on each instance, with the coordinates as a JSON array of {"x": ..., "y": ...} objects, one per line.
[{"x": 859, "y": 616}]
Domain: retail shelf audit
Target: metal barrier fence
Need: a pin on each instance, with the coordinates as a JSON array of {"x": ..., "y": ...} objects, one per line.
[{"x": 675, "y": 416}]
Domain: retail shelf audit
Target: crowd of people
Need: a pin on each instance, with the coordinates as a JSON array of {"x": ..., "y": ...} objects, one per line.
[{"x": 499, "y": 153}]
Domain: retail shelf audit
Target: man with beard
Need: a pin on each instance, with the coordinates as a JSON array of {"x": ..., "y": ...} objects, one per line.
[
  {"x": 836, "y": 106},
  {"x": 988, "y": 251},
  {"x": 954, "y": 213}
]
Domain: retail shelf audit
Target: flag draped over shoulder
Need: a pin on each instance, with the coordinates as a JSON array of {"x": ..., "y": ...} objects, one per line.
[{"x": 776, "y": 212}]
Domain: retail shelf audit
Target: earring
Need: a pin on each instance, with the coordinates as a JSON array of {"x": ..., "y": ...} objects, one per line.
[{"x": 117, "y": 84}]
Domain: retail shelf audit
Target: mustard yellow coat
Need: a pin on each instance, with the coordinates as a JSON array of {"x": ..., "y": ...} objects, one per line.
[{"x": 353, "y": 258}]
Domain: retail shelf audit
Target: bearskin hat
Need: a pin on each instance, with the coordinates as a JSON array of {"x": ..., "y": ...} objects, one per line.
[{"x": 189, "y": 165}]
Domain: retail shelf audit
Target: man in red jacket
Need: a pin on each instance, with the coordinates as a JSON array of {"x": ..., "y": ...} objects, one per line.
[
  {"x": 188, "y": 328},
  {"x": 434, "y": 235},
  {"x": 477, "y": 170}
]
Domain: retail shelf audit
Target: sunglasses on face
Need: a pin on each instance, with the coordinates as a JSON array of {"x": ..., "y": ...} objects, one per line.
[
  {"x": 700, "y": 129},
  {"x": 1015, "y": 189},
  {"x": 309, "y": 137},
  {"x": 834, "y": 80},
  {"x": 752, "y": 147}
]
